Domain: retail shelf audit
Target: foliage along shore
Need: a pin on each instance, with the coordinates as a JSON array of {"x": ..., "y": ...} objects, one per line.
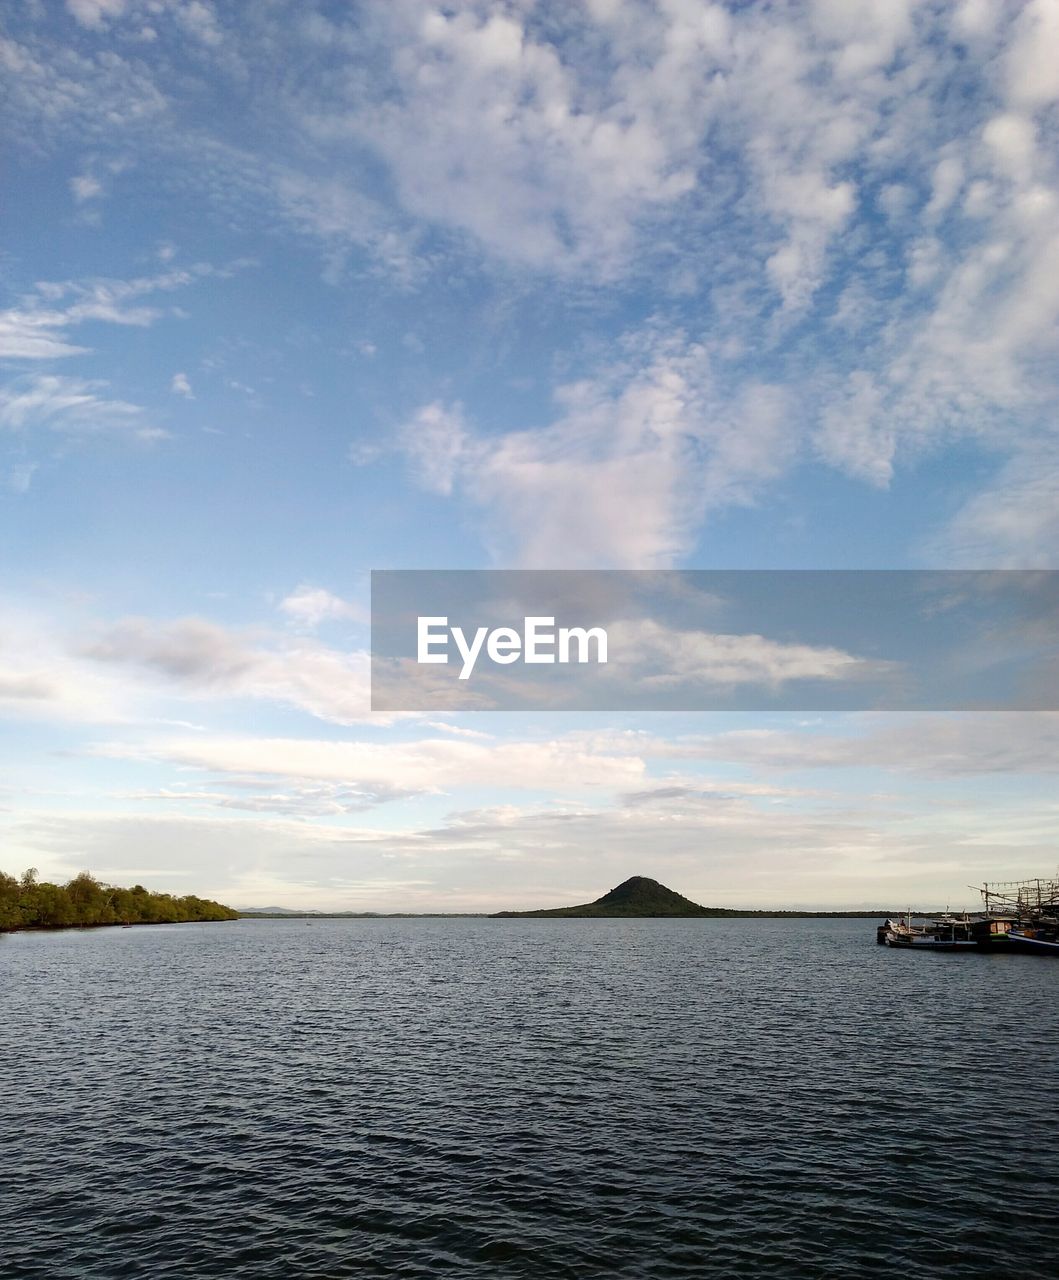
[{"x": 85, "y": 903}]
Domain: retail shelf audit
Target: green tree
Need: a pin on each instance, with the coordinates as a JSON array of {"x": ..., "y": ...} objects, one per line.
[
  {"x": 10, "y": 893},
  {"x": 84, "y": 901},
  {"x": 89, "y": 899}
]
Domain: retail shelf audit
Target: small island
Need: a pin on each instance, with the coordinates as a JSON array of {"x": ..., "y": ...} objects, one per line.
[
  {"x": 637, "y": 896},
  {"x": 85, "y": 903},
  {"x": 642, "y": 898}
]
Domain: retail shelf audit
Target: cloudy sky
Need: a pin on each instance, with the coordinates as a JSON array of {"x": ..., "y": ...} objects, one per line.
[{"x": 298, "y": 290}]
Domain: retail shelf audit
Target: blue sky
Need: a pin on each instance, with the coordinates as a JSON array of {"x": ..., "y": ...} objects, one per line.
[{"x": 293, "y": 292}]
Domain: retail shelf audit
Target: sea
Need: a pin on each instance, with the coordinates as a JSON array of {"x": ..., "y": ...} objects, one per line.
[{"x": 524, "y": 1098}]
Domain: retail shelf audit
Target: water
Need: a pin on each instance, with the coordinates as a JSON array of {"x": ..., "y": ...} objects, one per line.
[{"x": 534, "y": 1098}]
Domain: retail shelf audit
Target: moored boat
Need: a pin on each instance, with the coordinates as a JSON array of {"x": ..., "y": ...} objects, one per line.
[
  {"x": 941, "y": 934},
  {"x": 1027, "y": 911},
  {"x": 1019, "y": 915},
  {"x": 1035, "y": 941}
]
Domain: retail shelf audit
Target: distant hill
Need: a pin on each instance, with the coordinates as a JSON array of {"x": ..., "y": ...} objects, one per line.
[
  {"x": 637, "y": 896},
  {"x": 275, "y": 911}
]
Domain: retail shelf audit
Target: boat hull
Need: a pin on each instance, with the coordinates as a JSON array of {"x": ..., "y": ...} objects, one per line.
[
  {"x": 1038, "y": 946},
  {"x": 932, "y": 944}
]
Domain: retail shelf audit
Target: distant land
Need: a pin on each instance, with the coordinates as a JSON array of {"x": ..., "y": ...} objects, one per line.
[
  {"x": 278, "y": 911},
  {"x": 641, "y": 897},
  {"x": 288, "y": 913}
]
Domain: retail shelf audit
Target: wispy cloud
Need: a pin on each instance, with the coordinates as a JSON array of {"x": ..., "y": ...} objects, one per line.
[
  {"x": 95, "y": 13},
  {"x": 36, "y": 328},
  {"x": 828, "y": 232},
  {"x": 635, "y": 459},
  {"x": 85, "y": 187},
  {"x": 308, "y": 606},
  {"x": 35, "y": 334},
  {"x": 180, "y": 385},
  {"x": 654, "y": 655},
  {"x": 72, "y": 407},
  {"x": 720, "y": 851},
  {"x": 204, "y": 660},
  {"x": 423, "y": 766},
  {"x": 936, "y": 745}
]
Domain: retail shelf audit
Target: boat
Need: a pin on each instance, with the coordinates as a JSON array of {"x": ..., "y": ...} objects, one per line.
[
  {"x": 1027, "y": 911},
  {"x": 1018, "y": 915},
  {"x": 940, "y": 934},
  {"x": 1034, "y": 941}
]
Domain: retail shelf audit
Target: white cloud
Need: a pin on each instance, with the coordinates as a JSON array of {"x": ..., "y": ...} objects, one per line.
[
  {"x": 309, "y": 606},
  {"x": 20, "y": 476},
  {"x": 660, "y": 656},
  {"x": 136, "y": 669},
  {"x": 1030, "y": 64},
  {"x": 492, "y": 126},
  {"x": 424, "y": 766},
  {"x": 85, "y": 187},
  {"x": 854, "y": 434},
  {"x": 200, "y": 659},
  {"x": 725, "y": 850},
  {"x": 200, "y": 19},
  {"x": 742, "y": 152},
  {"x": 35, "y": 335},
  {"x": 459, "y": 731},
  {"x": 570, "y": 153},
  {"x": 109, "y": 300},
  {"x": 434, "y": 441},
  {"x": 35, "y": 330},
  {"x": 180, "y": 386},
  {"x": 1013, "y": 522},
  {"x": 491, "y": 132},
  {"x": 41, "y": 680},
  {"x": 342, "y": 216},
  {"x": 59, "y": 90},
  {"x": 961, "y": 744},
  {"x": 72, "y": 407},
  {"x": 1012, "y": 141},
  {"x": 638, "y": 455},
  {"x": 94, "y": 13}
]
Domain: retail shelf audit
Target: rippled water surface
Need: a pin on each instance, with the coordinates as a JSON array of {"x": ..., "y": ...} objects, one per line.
[{"x": 535, "y": 1098}]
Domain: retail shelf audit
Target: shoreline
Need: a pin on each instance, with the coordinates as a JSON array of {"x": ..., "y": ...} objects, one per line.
[
  {"x": 108, "y": 924},
  {"x": 719, "y": 914}
]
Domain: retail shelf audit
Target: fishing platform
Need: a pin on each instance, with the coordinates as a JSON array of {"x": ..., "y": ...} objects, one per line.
[{"x": 1017, "y": 915}]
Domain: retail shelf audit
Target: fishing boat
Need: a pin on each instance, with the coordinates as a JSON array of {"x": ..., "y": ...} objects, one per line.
[
  {"x": 945, "y": 933},
  {"x": 1034, "y": 941},
  {"x": 1026, "y": 912},
  {"x": 1018, "y": 915}
]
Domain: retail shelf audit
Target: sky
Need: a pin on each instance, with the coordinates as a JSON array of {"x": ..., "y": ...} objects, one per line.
[{"x": 295, "y": 291}]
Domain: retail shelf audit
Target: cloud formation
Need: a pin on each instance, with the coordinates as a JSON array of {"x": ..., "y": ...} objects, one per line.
[
  {"x": 73, "y": 407},
  {"x": 205, "y": 660},
  {"x": 874, "y": 187},
  {"x": 624, "y": 270},
  {"x": 637, "y": 456},
  {"x": 308, "y": 606}
]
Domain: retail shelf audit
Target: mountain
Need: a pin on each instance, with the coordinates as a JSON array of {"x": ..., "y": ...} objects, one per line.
[
  {"x": 637, "y": 896},
  {"x": 275, "y": 911}
]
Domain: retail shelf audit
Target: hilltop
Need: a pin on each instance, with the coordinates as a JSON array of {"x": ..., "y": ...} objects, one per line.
[{"x": 637, "y": 896}]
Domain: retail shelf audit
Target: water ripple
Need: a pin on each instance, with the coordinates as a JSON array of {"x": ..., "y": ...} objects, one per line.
[{"x": 524, "y": 1099}]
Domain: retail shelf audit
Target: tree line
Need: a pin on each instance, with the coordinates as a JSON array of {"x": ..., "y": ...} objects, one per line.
[{"x": 30, "y": 903}]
